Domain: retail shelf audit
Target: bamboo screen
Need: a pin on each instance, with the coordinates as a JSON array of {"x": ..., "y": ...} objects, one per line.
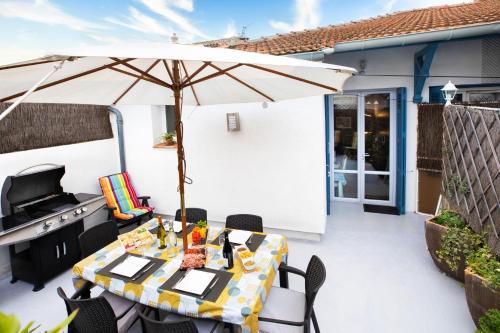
[
  {"x": 33, "y": 126},
  {"x": 471, "y": 176},
  {"x": 430, "y": 131}
]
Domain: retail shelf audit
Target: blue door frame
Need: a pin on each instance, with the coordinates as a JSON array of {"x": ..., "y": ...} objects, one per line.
[
  {"x": 327, "y": 152},
  {"x": 401, "y": 117}
]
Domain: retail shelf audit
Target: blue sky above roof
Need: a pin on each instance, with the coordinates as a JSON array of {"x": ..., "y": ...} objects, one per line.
[{"x": 33, "y": 26}]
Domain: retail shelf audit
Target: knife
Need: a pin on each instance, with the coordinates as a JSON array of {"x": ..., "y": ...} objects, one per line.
[
  {"x": 139, "y": 274},
  {"x": 209, "y": 289}
]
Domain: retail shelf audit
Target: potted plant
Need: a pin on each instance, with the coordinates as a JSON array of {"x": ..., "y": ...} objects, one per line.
[
  {"x": 10, "y": 324},
  {"x": 490, "y": 322},
  {"x": 168, "y": 138},
  {"x": 482, "y": 283},
  {"x": 450, "y": 241}
]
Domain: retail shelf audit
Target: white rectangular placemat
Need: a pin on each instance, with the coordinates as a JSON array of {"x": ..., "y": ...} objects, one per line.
[
  {"x": 195, "y": 282},
  {"x": 130, "y": 266}
]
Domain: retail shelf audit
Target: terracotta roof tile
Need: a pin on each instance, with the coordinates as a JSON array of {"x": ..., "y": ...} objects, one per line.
[{"x": 395, "y": 24}]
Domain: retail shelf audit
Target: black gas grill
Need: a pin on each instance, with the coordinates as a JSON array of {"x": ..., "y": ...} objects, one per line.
[{"x": 41, "y": 224}]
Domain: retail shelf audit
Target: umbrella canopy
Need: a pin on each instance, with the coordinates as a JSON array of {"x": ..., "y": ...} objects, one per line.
[
  {"x": 139, "y": 73},
  {"x": 165, "y": 74}
]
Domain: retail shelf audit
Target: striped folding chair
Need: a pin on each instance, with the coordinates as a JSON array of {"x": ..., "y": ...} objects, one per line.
[{"x": 122, "y": 202}]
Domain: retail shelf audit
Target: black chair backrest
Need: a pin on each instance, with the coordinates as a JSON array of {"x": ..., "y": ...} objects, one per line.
[
  {"x": 245, "y": 222},
  {"x": 193, "y": 215},
  {"x": 315, "y": 277},
  {"x": 179, "y": 326},
  {"x": 94, "y": 314},
  {"x": 97, "y": 237}
]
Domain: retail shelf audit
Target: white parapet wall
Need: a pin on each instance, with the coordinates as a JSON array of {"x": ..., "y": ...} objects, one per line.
[{"x": 273, "y": 167}]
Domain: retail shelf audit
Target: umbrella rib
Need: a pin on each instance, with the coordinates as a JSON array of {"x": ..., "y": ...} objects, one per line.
[
  {"x": 66, "y": 79},
  {"x": 140, "y": 71},
  {"x": 163, "y": 84},
  {"x": 292, "y": 77},
  {"x": 202, "y": 67},
  {"x": 188, "y": 79},
  {"x": 211, "y": 76},
  {"x": 168, "y": 71},
  {"x": 30, "y": 64},
  {"x": 244, "y": 83},
  {"x": 135, "y": 82}
]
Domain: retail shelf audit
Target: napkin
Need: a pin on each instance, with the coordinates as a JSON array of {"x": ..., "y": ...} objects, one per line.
[
  {"x": 178, "y": 226},
  {"x": 130, "y": 266},
  {"x": 239, "y": 236},
  {"x": 195, "y": 282}
]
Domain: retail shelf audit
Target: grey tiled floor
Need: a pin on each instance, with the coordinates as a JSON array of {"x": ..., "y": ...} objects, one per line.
[{"x": 380, "y": 280}]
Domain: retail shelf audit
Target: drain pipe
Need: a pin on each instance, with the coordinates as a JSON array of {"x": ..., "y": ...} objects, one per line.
[{"x": 121, "y": 143}]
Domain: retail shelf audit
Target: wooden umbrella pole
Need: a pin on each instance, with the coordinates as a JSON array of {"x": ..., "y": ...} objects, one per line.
[{"x": 177, "y": 87}]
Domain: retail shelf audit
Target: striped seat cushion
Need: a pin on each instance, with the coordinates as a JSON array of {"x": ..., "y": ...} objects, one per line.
[{"x": 120, "y": 193}]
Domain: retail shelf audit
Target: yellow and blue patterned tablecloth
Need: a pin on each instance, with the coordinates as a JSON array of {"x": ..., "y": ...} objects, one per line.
[{"x": 239, "y": 303}]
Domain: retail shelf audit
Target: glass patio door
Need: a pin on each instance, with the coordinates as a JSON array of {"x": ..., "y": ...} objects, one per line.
[{"x": 363, "y": 141}]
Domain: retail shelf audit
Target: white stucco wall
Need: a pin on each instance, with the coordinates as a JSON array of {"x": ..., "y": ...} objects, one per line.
[
  {"x": 84, "y": 162},
  {"x": 451, "y": 58},
  {"x": 273, "y": 167}
]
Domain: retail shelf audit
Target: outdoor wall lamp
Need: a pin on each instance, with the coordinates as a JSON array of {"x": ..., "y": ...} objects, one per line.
[{"x": 449, "y": 92}]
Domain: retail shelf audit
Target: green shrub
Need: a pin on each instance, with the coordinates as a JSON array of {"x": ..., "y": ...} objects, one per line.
[
  {"x": 485, "y": 263},
  {"x": 10, "y": 324},
  {"x": 450, "y": 218},
  {"x": 490, "y": 322},
  {"x": 458, "y": 242}
]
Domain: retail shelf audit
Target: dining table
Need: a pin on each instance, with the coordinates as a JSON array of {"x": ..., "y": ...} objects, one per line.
[{"x": 238, "y": 301}]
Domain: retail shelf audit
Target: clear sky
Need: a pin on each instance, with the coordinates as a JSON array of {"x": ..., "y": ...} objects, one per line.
[{"x": 28, "y": 27}]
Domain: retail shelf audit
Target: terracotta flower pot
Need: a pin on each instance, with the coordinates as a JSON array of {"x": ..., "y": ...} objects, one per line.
[
  {"x": 433, "y": 235},
  {"x": 480, "y": 297},
  {"x": 169, "y": 142}
]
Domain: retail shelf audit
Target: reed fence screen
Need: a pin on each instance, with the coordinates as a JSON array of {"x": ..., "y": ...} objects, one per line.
[
  {"x": 430, "y": 127},
  {"x": 33, "y": 126},
  {"x": 470, "y": 175}
]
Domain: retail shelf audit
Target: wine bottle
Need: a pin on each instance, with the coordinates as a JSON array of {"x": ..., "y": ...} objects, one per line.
[
  {"x": 161, "y": 233},
  {"x": 227, "y": 252}
]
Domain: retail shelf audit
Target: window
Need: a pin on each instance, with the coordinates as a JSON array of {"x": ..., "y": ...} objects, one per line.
[{"x": 170, "y": 118}]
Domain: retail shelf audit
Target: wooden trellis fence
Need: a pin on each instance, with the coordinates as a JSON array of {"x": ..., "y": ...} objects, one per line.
[{"x": 471, "y": 167}]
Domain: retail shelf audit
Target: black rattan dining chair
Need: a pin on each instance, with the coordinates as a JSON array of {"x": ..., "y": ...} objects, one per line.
[
  {"x": 245, "y": 222},
  {"x": 100, "y": 314},
  {"x": 174, "y": 323},
  {"x": 291, "y": 311},
  {"x": 193, "y": 215},
  {"x": 176, "y": 326},
  {"x": 97, "y": 237}
]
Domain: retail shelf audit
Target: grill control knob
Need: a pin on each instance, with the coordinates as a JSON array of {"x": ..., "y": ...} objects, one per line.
[
  {"x": 63, "y": 218},
  {"x": 47, "y": 225},
  {"x": 78, "y": 211},
  {"x": 84, "y": 209}
]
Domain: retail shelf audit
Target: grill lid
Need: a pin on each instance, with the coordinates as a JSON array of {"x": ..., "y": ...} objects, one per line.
[{"x": 27, "y": 187}]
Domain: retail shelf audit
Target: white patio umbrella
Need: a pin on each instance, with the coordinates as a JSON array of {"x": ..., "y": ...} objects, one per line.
[{"x": 165, "y": 74}]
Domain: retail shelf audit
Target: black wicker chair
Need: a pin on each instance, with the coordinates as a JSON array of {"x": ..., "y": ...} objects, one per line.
[
  {"x": 174, "y": 323},
  {"x": 193, "y": 215},
  {"x": 245, "y": 222},
  {"x": 291, "y": 311},
  {"x": 97, "y": 237},
  {"x": 176, "y": 326},
  {"x": 111, "y": 314}
]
